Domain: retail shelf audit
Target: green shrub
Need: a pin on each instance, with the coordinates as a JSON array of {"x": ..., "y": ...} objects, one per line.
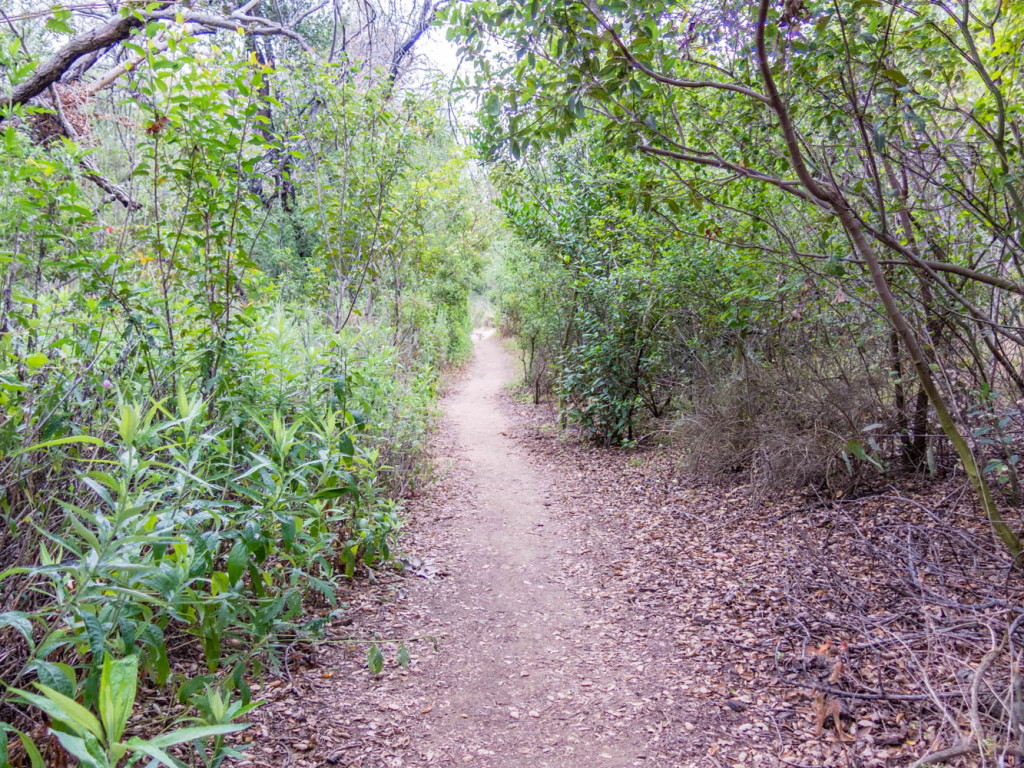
[{"x": 213, "y": 404}]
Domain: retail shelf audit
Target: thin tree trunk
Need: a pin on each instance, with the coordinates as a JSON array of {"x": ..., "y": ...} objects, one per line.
[{"x": 855, "y": 231}]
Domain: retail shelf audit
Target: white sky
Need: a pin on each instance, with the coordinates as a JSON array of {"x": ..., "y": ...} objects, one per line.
[{"x": 440, "y": 52}]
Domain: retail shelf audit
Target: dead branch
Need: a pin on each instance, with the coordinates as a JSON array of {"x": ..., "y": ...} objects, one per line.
[
  {"x": 117, "y": 29},
  {"x": 944, "y": 755},
  {"x": 427, "y": 16},
  {"x": 91, "y": 172}
]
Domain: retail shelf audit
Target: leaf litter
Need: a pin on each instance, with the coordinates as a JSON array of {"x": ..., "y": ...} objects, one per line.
[{"x": 693, "y": 625}]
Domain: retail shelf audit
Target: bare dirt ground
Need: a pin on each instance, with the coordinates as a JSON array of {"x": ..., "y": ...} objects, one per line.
[
  {"x": 531, "y": 670},
  {"x": 591, "y": 609}
]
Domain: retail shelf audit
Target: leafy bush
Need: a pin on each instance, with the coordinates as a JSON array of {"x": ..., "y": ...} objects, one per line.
[
  {"x": 213, "y": 402},
  {"x": 628, "y": 318}
]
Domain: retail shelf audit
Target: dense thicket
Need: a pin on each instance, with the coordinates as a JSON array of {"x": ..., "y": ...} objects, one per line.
[
  {"x": 236, "y": 253},
  {"x": 795, "y": 226},
  {"x": 794, "y": 230}
]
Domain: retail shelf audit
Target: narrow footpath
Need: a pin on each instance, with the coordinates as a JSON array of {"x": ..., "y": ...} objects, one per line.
[
  {"x": 564, "y": 606},
  {"x": 531, "y": 668},
  {"x": 527, "y": 677}
]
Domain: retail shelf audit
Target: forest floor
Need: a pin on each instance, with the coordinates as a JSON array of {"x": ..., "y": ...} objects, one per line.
[{"x": 588, "y": 609}]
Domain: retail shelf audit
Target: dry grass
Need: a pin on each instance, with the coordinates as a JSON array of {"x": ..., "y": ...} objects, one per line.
[{"x": 782, "y": 430}]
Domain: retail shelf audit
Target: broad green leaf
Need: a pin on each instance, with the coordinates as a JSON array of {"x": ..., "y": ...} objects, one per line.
[
  {"x": 60, "y": 677},
  {"x": 118, "y": 681},
  {"x": 374, "y": 659},
  {"x": 19, "y": 621},
  {"x": 63, "y": 709},
  {"x": 896, "y": 76},
  {"x": 856, "y": 449},
  {"x": 85, "y": 749},
  {"x": 181, "y": 735},
  {"x": 237, "y": 560},
  {"x": 147, "y": 749},
  {"x": 333, "y": 493}
]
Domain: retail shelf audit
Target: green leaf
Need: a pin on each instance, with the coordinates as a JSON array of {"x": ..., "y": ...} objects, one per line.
[
  {"x": 237, "y": 560},
  {"x": 289, "y": 528},
  {"x": 993, "y": 465},
  {"x": 85, "y": 749},
  {"x": 896, "y": 76},
  {"x": 147, "y": 749},
  {"x": 32, "y": 751},
  {"x": 374, "y": 659},
  {"x": 117, "y": 693},
  {"x": 63, "y": 709},
  {"x": 36, "y": 361},
  {"x": 60, "y": 677},
  {"x": 96, "y": 633},
  {"x": 61, "y": 441},
  {"x": 403, "y": 657},
  {"x": 493, "y": 104},
  {"x": 856, "y": 449},
  {"x": 879, "y": 140},
  {"x": 332, "y": 493},
  {"x": 35, "y": 758},
  {"x": 19, "y": 621},
  {"x": 182, "y": 735}
]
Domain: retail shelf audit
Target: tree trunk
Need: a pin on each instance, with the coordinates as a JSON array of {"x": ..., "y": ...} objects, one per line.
[
  {"x": 928, "y": 386},
  {"x": 831, "y": 197}
]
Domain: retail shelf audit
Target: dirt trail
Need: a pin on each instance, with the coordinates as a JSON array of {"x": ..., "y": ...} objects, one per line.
[
  {"x": 591, "y": 608},
  {"x": 546, "y": 657},
  {"x": 519, "y": 679}
]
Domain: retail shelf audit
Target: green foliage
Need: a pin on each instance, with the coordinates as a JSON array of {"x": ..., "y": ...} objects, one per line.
[
  {"x": 844, "y": 182},
  {"x": 214, "y": 398},
  {"x": 608, "y": 294},
  {"x": 96, "y": 742}
]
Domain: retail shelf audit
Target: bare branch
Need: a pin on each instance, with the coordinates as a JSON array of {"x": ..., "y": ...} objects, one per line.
[
  {"x": 254, "y": 25},
  {"x": 426, "y": 19},
  {"x": 117, "y": 29},
  {"x": 114, "y": 30},
  {"x": 89, "y": 169}
]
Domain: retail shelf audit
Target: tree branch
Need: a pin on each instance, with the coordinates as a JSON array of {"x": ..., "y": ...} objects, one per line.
[
  {"x": 793, "y": 187},
  {"x": 113, "y": 31},
  {"x": 665, "y": 79},
  {"x": 90, "y": 171},
  {"x": 426, "y": 19},
  {"x": 117, "y": 29}
]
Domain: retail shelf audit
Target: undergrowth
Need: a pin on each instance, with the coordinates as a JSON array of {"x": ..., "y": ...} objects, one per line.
[{"x": 212, "y": 402}]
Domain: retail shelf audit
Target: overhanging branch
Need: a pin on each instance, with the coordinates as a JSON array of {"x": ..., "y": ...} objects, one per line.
[{"x": 119, "y": 28}]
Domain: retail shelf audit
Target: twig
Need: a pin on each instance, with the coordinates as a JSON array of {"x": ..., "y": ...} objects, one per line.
[
  {"x": 287, "y": 670},
  {"x": 870, "y": 696},
  {"x": 945, "y": 754}
]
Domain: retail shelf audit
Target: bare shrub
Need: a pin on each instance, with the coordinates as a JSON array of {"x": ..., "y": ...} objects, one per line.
[
  {"x": 925, "y": 610},
  {"x": 783, "y": 429}
]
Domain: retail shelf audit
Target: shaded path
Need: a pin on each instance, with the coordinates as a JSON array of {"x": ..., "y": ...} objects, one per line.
[{"x": 525, "y": 665}]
